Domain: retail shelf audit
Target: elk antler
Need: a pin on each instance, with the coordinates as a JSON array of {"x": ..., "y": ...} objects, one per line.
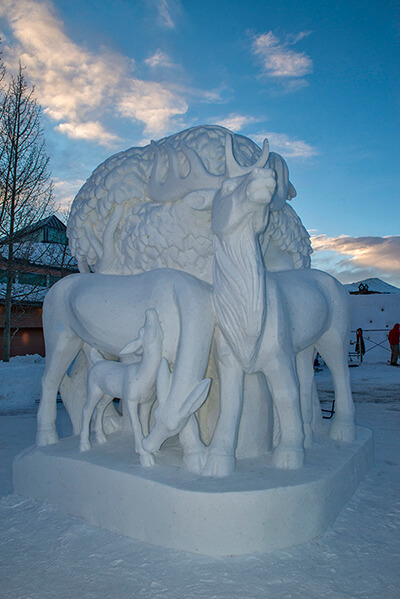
[
  {"x": 233, "y": 168},
  {"x": 175, "y": 185}
]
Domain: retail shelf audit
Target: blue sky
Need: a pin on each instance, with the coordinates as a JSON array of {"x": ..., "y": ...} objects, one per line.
[{"x": 320, "y": 79}]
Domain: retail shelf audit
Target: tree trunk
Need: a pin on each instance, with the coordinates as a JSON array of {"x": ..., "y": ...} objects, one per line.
[{"x": 7, "y": 307}]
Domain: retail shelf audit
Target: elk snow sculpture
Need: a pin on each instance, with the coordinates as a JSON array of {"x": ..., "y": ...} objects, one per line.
[{"x": 270, "y": 321}]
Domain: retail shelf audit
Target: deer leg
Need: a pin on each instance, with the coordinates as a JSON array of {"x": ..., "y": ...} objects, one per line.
[
  {"x": 221, "y": 451},
  {"x": 61, "y": 350},
  {"x": 305, "y": 371},
  {"x": 283, "y": 382},
  {"x": 94, "y": 396},
  {"x": 194, "y": 450},
  {"x": 334, "y": 353},
  {"x": 144, "y": 415},
  {"x": 146, "y": 458},
  {"x": 101, "y": 407}
]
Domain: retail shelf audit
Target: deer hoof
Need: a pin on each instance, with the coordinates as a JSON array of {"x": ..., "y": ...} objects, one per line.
[
  {"x": 101, "y": 438},
  {"x": 342, "y": 430},
  {"x": 46, "y": 437},
  {"x": 147, "y": 460},
  {"x": 288, "y": 459},
  {"x": 219, "y": 465},
  {"x": 84, "y": 445},
  {"x": 195, "y": 461}
]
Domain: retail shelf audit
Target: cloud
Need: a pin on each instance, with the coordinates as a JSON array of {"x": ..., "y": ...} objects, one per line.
[
  {"x": 359, "y": 257},
  {"x": 288, "y": 147},
  {"x": 88, "y": 130},
  {"x": 235, "y": 121},
  {"x": 166, "y": 10},
  {"x": 160, "y": 59},
  {"x": 278, "y": 59},
  {"x": 65, "y": 191},
  {"x": 76, "y": 86}
]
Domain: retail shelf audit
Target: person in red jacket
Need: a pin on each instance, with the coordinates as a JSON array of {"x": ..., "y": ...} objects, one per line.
[{"x": 393, "y": 337}]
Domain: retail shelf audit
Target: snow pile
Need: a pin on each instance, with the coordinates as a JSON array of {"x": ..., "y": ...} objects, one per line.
[
  {"x": 20, "y": 383},
  {"x": 44, "y": 553}
]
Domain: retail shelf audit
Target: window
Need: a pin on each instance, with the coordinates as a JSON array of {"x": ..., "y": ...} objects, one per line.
[
  {"x": 55, "y": 236},
  {"x": 3, "y": 276},
  {"x": 32, "y": 278}
]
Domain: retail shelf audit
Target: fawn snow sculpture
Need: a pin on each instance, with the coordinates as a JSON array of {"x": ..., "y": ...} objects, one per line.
[{"x": 134, "y": 383}]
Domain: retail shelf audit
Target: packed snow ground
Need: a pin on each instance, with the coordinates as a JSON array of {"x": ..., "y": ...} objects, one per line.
[{"x": 45, "y": 554}]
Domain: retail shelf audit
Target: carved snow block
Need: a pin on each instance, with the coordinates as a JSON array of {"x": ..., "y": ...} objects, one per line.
[{"x": 256, "y": 509}]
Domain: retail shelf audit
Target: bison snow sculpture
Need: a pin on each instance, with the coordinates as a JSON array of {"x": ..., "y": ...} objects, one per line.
[{"x": 150, "y": 207}]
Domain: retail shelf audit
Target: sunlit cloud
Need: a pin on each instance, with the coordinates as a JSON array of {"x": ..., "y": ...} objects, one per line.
[
  {"x": 288, "y": 147},
  {"x": 89, "y": 130},
  {"x": 278, "y": 59},
  {"x": 76, "y": 86},
  {"x": 235, "y": 121},
  {"x": 355, "y": 258}
]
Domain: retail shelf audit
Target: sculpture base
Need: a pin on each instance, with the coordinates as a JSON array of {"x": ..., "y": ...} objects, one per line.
[{"x": 258, "y": 508}]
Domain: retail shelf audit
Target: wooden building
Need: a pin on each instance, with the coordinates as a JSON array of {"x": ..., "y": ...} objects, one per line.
[{"x": 42, "y": 257}]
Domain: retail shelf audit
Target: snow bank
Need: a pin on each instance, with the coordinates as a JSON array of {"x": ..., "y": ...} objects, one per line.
[{"x": 20, "y": 383}]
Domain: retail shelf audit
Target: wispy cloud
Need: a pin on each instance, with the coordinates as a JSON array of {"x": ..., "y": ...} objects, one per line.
[
  {"x": 354, "y": 258},
  {"x": 278, "y": 59},
  {"x": 287, "y": 146},
  {"x": 65, "y": 191},
  {"x": 77, "y": 87},
  {"x": 160, "y": 59},
  {"x": 166, "y": 10}
]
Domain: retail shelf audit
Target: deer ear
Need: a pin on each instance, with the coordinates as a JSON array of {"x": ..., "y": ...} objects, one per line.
[
  {"x": 132, "y": 347},
  {"x": 201, "y": 199},
  {"x": 195, "y": 399},
  {"x": 163, "y": 380},
  {"x": 95, "y": 355}
]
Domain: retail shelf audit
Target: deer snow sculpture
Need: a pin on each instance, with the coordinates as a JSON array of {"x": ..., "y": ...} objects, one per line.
[
  {"x": 150, "y": 207},
  {"x": 106, "y": 312},
  {"x": 271, "y": 323},
  {"x": 133, "y": 382}
]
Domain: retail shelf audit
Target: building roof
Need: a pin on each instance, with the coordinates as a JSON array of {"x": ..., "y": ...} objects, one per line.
[
  {"x": 372, "y": 285},
  {"x": 52, "y": 222}
]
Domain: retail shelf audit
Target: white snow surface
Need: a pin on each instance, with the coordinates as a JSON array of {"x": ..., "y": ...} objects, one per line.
[{"x": 46, "y": 554}]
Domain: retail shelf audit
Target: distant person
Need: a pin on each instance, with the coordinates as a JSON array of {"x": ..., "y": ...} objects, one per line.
[
  {"x": 393, "y": 337},
  {"x": 360, "y": 345}
]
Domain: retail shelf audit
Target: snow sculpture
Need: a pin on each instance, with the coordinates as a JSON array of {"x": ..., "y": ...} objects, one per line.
[
  {"x": 204, "y": 194},
  {"x": 132, "y": 381},
  {"x": 107, "y": 312},
  {"x": 274, "y": 323},
  {"x": 150, "y": 207}
]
